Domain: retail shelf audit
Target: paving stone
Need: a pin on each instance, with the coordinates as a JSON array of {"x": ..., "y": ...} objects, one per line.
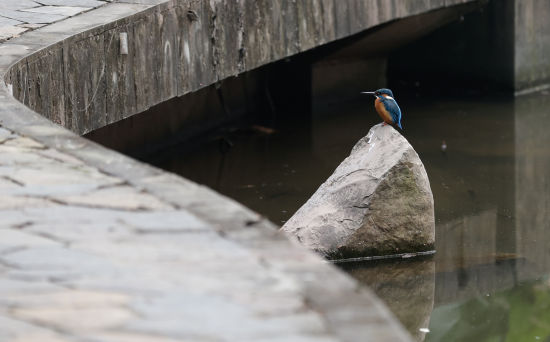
[
  {"x": 184, "y": 314},
  {"x": 200, "y": 248},
  {"x": 60, "y": 157},
  {"x": 7, "y": 21},
  {"x": 58, "y": 276},
  {"x": 68, "y": 299},
  {"x": 119, "y": 197},
  {"x": 9, "y": 49},
  {"x": 65, "y": 215},
  {"x": 17, "y": 202},
  {"x": 12, "y": 156},
  {"x": 58, "y": 179},
  {"x": 45, "y": 190},
  {"x": 130, "y": 337},
  {"x": 12, "y": 217},
  {"x": 79, "y": 3},
  {"x": 6, "y": 185},
  {"x": 3, "y": 270},
  {"x": 42, "y": 337},
  {"x": 51, "y": 259},
  {"x": 5, "y": 134},
  {"x": 94, "y": 18},
  {"x": 12, "y": 239},
  {"x": 76, "y": 319},
  {"x": 24, "y": 142},
  {"x": 208, "y": 275},
  {"x": 165, "y": 222},
  {"x": 17, "y": 330},
  {"x": 9, "y": 287},
  {"x": 130, "y": 279},
  {"x": 31, "y": 26},
  {"x": 66, "y": 11},
  {"x": 30, "y": 17},
  {"x": 16, "y": 4},
  {"x": 43, "y": 130},
  {"x": 74, "y": 232},
  {"x": 277, "y": 303},
  {"x": 8, "y": 32}
]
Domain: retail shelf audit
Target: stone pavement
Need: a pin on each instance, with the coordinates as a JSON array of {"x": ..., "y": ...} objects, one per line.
[
  {"x": 19, "y": 16},
  {"x": 95, "y": 246}
]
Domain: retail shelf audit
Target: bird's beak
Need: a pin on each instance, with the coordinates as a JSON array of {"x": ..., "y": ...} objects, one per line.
[{"x": 368, "y": 92}]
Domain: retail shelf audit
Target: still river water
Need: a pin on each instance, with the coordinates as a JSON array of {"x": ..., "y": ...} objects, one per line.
[{"x": 489, "y": 280}]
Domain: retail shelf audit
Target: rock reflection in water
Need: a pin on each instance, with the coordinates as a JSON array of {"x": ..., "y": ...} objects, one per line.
[{"x": 406, "y": 286}]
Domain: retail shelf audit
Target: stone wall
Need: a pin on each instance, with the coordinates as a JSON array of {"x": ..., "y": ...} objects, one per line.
[{"x": 532, "y": 44}]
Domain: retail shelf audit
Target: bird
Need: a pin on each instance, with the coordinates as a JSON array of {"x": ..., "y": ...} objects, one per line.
[{"x": 386, "y": 106}]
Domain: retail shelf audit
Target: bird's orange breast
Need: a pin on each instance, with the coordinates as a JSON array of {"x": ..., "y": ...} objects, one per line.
[{"x": 381, "y": 110}]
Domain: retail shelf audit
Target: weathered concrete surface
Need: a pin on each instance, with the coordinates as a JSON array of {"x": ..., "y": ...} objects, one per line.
[
  {"x": 377, "y": 202},
  {"x": 96, "y": 246},
  {"x": 532, "y": 44},
  {"x": 198, "y": 43}
]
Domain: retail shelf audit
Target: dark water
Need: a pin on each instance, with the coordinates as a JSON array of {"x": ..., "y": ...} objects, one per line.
[{"x": 489, "y": 280}]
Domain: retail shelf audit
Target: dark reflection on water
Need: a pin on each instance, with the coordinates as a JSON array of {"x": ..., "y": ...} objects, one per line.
[
  {"x": 407, "y": 287},
  {"x": 488, "y": 280}
]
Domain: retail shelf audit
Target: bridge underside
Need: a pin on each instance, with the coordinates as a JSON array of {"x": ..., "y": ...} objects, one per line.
[{"x": 323, "y": 74}]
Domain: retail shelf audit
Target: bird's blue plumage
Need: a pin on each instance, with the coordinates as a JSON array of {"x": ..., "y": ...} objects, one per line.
[
  {"x": 393, "y": 108},
  {"x": 386, "y": 106}
]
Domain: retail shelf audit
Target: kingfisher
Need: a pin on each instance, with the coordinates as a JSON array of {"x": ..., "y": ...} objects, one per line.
[{"x": 386, "y": 106}]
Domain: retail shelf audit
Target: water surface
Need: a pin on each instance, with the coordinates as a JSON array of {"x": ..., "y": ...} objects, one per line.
[{"x": 489, "y": 278}]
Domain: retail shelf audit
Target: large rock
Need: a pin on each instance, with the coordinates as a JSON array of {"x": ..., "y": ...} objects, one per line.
[{"x": 377, "y": 202}]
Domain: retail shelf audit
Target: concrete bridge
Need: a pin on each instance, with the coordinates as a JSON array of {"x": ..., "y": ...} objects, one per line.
[
  {"x": 83, "y": 81},
  {"x": 97, "y": 246}
]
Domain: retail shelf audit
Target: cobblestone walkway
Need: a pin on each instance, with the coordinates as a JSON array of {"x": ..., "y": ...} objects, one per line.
[
  {"x": 95, "y": 246},
  {"x": 19, "y": 16},
  {"x": 84, "y": 255}
]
